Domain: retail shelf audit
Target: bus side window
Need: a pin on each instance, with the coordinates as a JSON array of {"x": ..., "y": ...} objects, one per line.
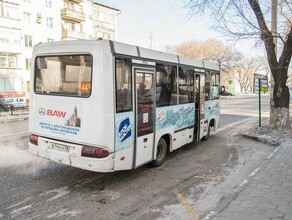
[
  {"x": 166, "y": 89},
  {"x": 212, "y": 85},
  {"x": 186, "y": 85},
  {"x": 215, "y": 85},
  {"x": 208, "y": 86},
  {"x": 123, "y": 85}
]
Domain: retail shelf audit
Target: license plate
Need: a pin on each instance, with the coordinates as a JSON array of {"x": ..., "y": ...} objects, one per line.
[{"x": 59, "y": 147}]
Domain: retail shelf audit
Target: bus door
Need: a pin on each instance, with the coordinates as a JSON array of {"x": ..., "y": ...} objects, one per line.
[
  {"x": 199, "y": 106},
  {"x": 144, "y": 114}
]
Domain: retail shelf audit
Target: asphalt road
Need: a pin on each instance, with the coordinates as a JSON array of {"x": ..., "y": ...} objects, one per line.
[{"x": 192, "y": 181}]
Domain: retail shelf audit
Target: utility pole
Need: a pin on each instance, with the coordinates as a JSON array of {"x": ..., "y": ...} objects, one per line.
[
  {"x": 272, "y": 82},
  {"x": 152, "y": 39}
]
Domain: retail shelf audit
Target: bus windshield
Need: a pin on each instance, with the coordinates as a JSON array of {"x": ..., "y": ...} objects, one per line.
[{"x": 68, "y": 75}]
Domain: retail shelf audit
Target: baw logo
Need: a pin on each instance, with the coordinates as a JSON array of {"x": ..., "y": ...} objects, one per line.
[
  {"x": 53, "y": 113},
  {"x": 59, "y": 114}
]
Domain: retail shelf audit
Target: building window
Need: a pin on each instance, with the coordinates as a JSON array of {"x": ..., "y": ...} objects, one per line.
[
  {"x": 28, "y": 40},
  {"x": 103, "y": 16},
  {"x": 110, "y": 18},
  {"x": 49, "y": 22},
  {"x": 12, "y": 62},
  {"x": 95, "y": 14},
  {"x": 8, "y": 12},
  {"x": 26, "y": 17},
  {"x": 27, "y": 64},
  {"x": 7, "y": 61},
  {"x": 49, "y": 3},
  {"x": 71, "y": 26},
  {"x": 3, "y": 61},
  {"x": 10, "y": 84},
  {"x": 39, "y": 18},
  {"x": 69, "y": 5}
]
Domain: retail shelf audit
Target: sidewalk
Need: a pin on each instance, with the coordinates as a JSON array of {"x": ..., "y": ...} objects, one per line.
[
  {"x": 267, "y": 192},
  {"x": 6, "y": 116}
]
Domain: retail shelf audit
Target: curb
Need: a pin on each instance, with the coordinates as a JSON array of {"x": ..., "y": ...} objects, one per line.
[{"x": 262, "y": 139}]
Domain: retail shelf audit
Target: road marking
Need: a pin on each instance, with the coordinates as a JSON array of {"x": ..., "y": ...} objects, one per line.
[
  {"x": 18, "y": 133},
  {"x": 187, "y": 206}
]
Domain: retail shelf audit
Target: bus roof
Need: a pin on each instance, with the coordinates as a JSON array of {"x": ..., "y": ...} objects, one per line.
[
  {"x": 135, "y": 51},
  {"x": 119, "y": 48}
]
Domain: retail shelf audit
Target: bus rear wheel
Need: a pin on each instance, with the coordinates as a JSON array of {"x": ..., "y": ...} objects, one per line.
[
  {"x": 206, "y": 137},
  {"x": 160, "y": 153}
]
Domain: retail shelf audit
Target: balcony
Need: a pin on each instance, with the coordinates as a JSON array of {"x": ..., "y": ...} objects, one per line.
[
  {"x": 11, "y": 24},
  {"x": 72, "y": 15},
  {"x": 10, "y": 40},
  {"x": 73, "y": 35}
]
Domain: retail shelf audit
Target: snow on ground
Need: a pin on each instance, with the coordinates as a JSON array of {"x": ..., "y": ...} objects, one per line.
[{"x": 268, "y": 133}]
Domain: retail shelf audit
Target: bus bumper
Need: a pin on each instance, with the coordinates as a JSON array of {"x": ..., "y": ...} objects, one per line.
[{"x": 70, "y": 154}]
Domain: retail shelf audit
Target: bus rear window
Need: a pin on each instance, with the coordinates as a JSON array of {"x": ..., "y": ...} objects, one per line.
[{"x": 68, "y": 75}]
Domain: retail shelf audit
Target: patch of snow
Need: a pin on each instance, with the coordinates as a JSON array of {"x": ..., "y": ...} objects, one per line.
[
  {"x": 18, "y": 211},
  {"x": 17, "y": 204},
  {"x": 113, "y": 195},
  {"x": 173, "y": 212},
  {"x": 65, "y": 212},
  {"x": 210, "y": 215},
  {"x": 268, "y": 133},
  {"x": 57, "y": 193}
]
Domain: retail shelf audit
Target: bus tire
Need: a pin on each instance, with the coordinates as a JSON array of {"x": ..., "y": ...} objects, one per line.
[
  {"x": 206, "y": 137},
  {"x": 160, "y": 153}
]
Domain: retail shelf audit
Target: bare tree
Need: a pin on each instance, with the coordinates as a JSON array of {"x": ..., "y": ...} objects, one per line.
[
  {"x": 250, "y": 19},
  {"x": 243, "y": 71},
  {"x": 211, "y": 50}
]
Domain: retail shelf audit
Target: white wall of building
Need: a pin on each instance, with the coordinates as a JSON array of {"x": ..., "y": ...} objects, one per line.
[{"x": 30, "y": 22}]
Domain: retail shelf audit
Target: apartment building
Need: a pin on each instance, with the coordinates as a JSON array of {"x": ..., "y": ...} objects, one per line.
[
  {"x": 10, "y": 44},
  {"x": 24, "y": 23}
]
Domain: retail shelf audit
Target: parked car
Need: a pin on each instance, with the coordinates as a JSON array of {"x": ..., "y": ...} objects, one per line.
[{"x": 226, "y": 93}]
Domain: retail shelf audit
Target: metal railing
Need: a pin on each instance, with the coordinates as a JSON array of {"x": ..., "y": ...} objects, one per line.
[{"x": 4, "y": 104}]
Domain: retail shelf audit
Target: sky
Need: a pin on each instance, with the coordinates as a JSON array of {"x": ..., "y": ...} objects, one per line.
[{"x": 161, "y": 24}]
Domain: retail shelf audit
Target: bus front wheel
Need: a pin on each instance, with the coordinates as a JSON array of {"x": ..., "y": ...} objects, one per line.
[{"x": 160, "y": 153}]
